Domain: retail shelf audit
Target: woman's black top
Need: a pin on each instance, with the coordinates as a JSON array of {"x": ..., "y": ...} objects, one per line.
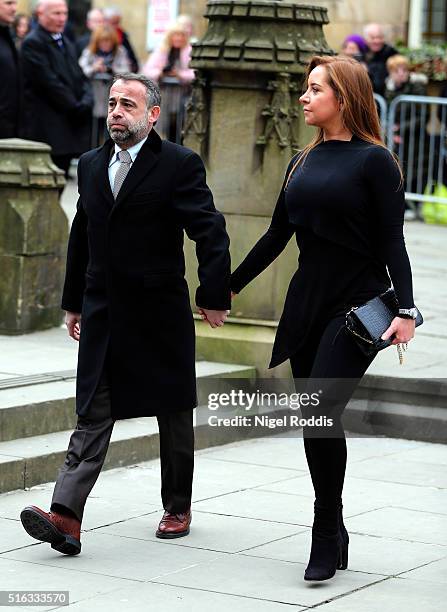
[{"x": 346, "y": 206}]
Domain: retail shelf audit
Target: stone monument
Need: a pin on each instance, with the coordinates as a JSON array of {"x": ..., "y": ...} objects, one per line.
[
  {"x": 245, "y": 121},
  {"x": 33, "y": 237}
]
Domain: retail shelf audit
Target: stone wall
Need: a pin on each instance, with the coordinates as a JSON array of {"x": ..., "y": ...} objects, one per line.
[{"x": 349, "y": 16}]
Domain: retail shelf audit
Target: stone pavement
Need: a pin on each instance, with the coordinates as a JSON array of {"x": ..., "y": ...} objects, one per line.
[{"x": 250, "y": 536}]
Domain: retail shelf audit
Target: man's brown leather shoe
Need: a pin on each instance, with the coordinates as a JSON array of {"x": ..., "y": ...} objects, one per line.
[
  {"x": 174, "y": 525},
  {"x": 61, "y": 531}
]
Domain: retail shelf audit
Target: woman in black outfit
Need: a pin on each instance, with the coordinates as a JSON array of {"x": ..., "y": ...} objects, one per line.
[{"x": 344, "y": 201}]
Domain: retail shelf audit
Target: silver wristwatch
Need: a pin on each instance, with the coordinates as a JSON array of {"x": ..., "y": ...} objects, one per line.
[{"x": 409, "y": 312}]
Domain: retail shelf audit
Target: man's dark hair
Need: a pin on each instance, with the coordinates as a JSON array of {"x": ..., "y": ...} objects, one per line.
[{"x": 153, "y": 95}]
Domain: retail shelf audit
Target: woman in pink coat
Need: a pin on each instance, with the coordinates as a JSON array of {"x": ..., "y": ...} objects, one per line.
[{"x": 169, "y": 66}]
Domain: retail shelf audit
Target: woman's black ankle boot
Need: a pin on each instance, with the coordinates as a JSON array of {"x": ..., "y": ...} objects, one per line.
[
  {"x": 343, "y": 562},
  {"x": 329, "y": 544}
]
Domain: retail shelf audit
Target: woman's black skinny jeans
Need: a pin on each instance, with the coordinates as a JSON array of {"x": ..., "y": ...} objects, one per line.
[{"x": 331, "y": 361}]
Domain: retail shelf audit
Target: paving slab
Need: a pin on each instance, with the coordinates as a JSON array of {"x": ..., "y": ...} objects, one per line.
[
  {"x": 431, "y": 499},
  {"x": 7, "y": 375},
  {"x": 209, "y": 531},
  {"x": 436, "y": 571},
  {"x": 43, "y": 351},
  {"x": 285, "y": 452},
  {"x": 262, "y": 505},
  {"x": 140, "y": 596},
  {"x": 391, "y": 595},
  {"x": 108, "y": 555},
  {"x": 266, "y": 579},
  {"x": 13, "y": 536},
  {"x": 402, "y": 524},
  {"x": 99, "y": 512},
  {"x": 401, "y": 471},
  {"x": 19, "y": 575},
  {"x": 213, "y": 478},
  {"x": 362, "y": 495},
  {"x": 366, "y": 553},
  {"x": 435, "y": 453},
  {"x": 288, "y": 450}
]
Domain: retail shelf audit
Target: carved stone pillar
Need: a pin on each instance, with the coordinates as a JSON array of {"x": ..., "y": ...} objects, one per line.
[
  {"x": 33, "y": 237},
  {"x": 245, "y": 120}
]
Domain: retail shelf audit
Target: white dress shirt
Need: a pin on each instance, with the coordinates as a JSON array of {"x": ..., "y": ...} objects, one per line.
[{"x": 115, "y": 162}]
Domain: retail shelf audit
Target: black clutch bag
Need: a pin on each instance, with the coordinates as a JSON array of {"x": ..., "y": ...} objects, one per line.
[{"x": 368, "y": 322}]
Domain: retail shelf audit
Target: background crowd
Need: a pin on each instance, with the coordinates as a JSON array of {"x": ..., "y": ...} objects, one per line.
[{"x": 54, "y": 85}]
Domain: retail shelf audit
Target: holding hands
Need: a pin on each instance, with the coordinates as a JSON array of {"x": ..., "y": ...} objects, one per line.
[
  {"x": 73, "y": 323},
  {"x": 216, "y": 318}
]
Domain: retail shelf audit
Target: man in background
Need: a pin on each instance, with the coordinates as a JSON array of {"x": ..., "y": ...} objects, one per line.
[
  {"x": 113, "y": 17},
  {"x": 95, "y": 19},
  {"x": 9, "y": 71},
  {"x": 58, "y": 97},
  {"x": 377, "y": 56}
]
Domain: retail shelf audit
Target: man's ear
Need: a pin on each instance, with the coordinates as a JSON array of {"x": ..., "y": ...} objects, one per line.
[{"x": 154, "y": 114}]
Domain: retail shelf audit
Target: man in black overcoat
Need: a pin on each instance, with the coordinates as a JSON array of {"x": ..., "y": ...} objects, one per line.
[
  {"x": 9, "y": 71},
  {"x": 376, "y": 57},
  {"x": 127, "y": 302},
  {"x": 95, "y": 19},
  {"x": 58, "y": 98}
]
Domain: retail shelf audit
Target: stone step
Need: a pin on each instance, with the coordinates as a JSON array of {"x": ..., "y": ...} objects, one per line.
[
  {"x": 45, "y": 403},
  {"x": 410, "y": 408},
  {"x": 35, "y": 416}
]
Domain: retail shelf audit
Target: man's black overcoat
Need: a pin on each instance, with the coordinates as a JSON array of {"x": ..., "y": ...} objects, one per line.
[
  {"x": 125, "y": 273},
  {"x": 58, "y": 96},
  {"x": 9, "y": 86}
]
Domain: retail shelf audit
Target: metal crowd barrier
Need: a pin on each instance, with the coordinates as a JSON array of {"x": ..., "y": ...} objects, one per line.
[
  {"x": 416, "y": 132},
  {"x": 174, "y": 94},
  {"x": 382, "y": 109}
]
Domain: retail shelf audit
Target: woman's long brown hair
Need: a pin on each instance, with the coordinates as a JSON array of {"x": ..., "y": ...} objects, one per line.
[{"x": 352, "y": 87}]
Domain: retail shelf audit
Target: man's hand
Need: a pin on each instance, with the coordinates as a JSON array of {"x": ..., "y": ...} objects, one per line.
[
  {"x": 216, "y": 318},
  {"x": 73, "y": 323}
]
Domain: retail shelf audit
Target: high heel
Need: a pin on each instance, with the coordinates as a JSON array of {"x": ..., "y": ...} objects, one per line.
[
  {"x": 326, "y": 552},
  {"x": 325, "y": 556},
  {"x": 343, "y": 558}
]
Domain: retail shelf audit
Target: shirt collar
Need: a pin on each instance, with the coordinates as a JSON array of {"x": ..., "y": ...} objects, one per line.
[{"x": 133, "y": 151}]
